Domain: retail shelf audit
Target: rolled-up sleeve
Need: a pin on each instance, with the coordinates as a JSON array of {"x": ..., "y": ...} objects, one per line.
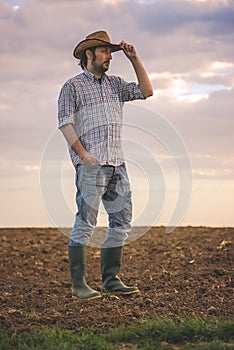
[
  {"x": 129, "y": 91},
  {"x": 66, "y": 105}
]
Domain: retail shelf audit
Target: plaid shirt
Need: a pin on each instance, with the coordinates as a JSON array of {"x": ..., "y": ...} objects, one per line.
[{"x": 95, "y": 109}]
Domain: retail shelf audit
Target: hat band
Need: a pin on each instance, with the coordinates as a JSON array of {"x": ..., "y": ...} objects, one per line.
[{"x": 103, "y": 41}]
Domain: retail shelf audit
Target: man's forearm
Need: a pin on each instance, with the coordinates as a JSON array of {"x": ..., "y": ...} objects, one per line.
[
  {"x": 142, "y": 77},
  {"x": 73, "y": 140}
]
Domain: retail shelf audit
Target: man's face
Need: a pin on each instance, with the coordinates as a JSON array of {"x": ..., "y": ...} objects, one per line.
[{"x": 101, "y": 59}]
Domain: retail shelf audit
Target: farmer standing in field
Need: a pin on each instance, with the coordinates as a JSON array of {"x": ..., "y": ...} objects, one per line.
[{"x": 90, "y": 113}]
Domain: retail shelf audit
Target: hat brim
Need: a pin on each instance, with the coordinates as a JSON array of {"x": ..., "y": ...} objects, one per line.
[{"x": 88, "y": 43}]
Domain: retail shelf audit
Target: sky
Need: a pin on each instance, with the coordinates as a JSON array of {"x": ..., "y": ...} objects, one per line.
[{"x": 178, "y": 143}]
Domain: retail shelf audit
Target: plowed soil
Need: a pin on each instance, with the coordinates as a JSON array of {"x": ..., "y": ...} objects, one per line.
[{"x": 187, "y": 273}]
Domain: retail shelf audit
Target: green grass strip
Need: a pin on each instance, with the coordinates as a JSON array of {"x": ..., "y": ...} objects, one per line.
[
  {"x": 53, "y": 339},
  {"x": 160, "y": 334},
  {"x": 183, "y": 331}
]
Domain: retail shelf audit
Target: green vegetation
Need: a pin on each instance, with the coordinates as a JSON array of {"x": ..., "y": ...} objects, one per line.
[{"x": 159, "y": 334}]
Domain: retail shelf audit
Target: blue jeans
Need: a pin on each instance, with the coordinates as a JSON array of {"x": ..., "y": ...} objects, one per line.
[{"x": 109, "y": 184}]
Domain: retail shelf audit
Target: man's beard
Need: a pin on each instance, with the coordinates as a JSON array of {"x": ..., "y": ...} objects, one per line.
[{"x": 100, "y": 67}]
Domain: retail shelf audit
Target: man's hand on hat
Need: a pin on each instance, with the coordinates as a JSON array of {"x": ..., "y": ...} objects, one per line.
[{"x": 128, "y": 49}]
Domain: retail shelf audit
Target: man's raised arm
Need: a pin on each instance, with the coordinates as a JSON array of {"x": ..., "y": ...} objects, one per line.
[{"x": 142, "y": 77}]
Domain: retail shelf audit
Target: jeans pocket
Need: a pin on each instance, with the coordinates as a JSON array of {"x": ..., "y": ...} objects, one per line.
[{"x": 90, "y": 173}]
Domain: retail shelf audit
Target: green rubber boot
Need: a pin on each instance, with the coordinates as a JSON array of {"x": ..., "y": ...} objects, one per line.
[
  {"x": 81, "y": 290},
  {"x": 111, "y": 259}
]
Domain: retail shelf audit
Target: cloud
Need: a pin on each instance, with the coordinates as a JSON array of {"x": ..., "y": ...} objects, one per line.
[
  {"x": 201, "y": 18},
  {"x": 209, "y": 166},
  {"x": 194, "y": 85}
]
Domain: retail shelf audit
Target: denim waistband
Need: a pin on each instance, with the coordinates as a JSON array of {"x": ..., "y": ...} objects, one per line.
[{"x": 106, "y": 165}]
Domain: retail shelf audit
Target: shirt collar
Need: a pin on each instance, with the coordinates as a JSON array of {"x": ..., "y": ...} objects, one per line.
[{"x": 92, "y": 76}]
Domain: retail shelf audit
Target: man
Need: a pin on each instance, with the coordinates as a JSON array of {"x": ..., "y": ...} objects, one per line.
[{"x": 90, "y": 117}]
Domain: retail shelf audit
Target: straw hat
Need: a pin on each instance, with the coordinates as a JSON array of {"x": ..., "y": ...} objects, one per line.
[{"x": 99, "y": 38}]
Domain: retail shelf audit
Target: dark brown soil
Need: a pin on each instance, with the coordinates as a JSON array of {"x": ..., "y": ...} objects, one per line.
[{"x": 187, "y": 273}]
